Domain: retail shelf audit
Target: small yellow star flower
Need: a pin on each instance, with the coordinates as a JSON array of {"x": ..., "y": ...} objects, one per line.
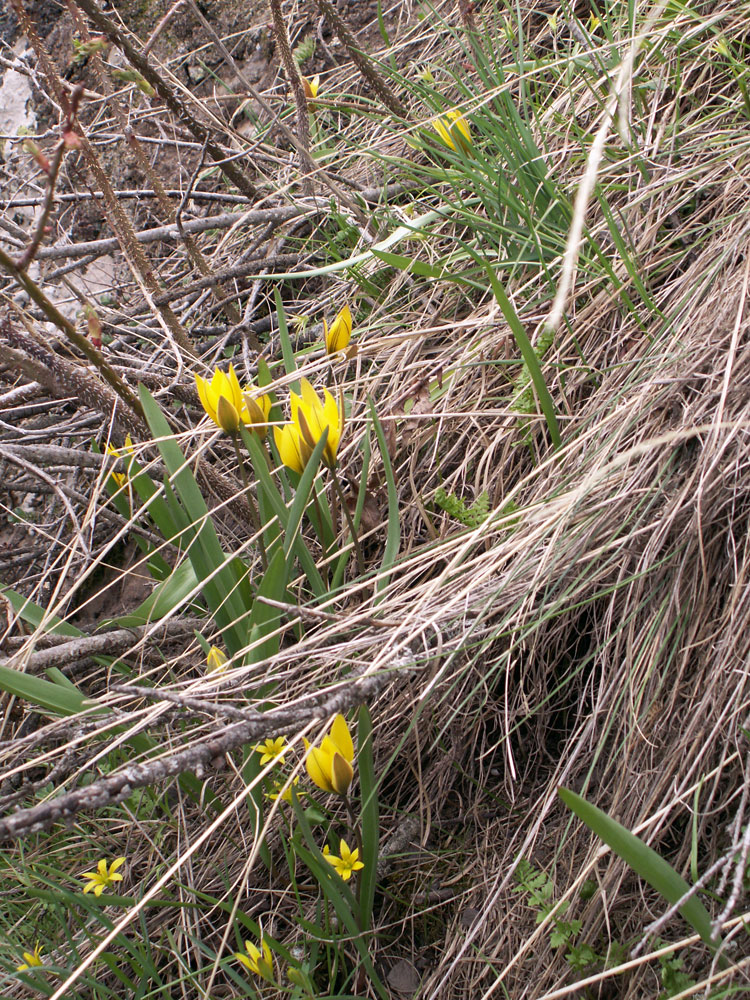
[
  {"x": 104, "y": 877},
  {"x": 338, "y": 335},
  {"x": 272, "y": 750},
  {"x": 285, "y": 794},
  {"x": 216, "y": 659},
  {"x": 330, "y": 764},
  {"x": 348, "y": 861},
  {"x": 228, "y": 405},
  {"x": 453, "y": 129},
  {"x": 257, "y": 960},
  {"x": 32, "y": 959},
  {"x": 310, "y": 417},
  {"x": 120, "y": 477}
]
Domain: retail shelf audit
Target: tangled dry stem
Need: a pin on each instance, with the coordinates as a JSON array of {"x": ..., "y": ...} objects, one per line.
[{"x": 596, "y": 634}]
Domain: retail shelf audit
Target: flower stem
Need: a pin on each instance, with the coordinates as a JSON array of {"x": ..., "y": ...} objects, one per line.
[
  {"x": 350, "y": 523},
  {"x": 354, "y": 824},
  {"x": 254, "y": 515}
]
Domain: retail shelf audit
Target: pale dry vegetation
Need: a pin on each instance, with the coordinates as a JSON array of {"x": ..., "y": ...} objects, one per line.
[{"x": 591, "y": 631}]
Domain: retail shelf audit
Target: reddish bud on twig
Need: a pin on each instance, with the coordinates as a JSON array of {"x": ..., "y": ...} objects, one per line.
[
  {"x": 71, "y": 139},
  {"x": 94, "y": 326}
]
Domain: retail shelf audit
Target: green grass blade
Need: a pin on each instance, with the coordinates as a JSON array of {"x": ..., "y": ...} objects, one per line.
[
  {"x": 525, "y": 347},
  {"x": 393, "y": 534},
  {"x": 409, "y": 265},
  {"x": 659, "y": 874}
]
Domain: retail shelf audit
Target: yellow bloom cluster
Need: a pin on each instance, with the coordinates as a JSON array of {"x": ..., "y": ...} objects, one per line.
[
  {"x": 310, "y": 418},
  {"x": 228, "y": 405},
  {"x": 453, "y": 129}
]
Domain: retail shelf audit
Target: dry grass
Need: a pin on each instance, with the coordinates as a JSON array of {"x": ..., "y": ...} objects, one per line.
[{"x": 592, "y": 632}]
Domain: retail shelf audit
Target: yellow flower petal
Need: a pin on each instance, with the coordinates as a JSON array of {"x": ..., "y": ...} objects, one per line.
[
  {"x": 342, "y": 738},
  {"x": 234, "y": 391},
  {"x": 339, "y": 334},
  {"x": 342, "y": 774},
  {"x": 227, "y": 416},
  {"x": 202, "y": 387},
  {"x": 287, "y": 442}
]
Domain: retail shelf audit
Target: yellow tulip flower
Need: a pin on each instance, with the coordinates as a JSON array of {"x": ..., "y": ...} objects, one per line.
[
  {"x": 227, "y": 404},
  {"x": 216, "y": 659},
  {"x": 453, "y": 129},
  {"x": 310, "y": 418},
  {"x": 330, "y": 764},
  {"x": 257, "y": 960},
  {"x": 338, "y": 335},
  {"x": 311, "y": 86}
]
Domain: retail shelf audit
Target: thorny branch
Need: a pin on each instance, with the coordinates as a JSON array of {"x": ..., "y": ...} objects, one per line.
[
  {"x": 67, "y": 140},
  {"x": 119, "y": 786}
]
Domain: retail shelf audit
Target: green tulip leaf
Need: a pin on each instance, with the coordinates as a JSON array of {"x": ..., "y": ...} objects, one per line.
[{"x": 659, "y": 874}]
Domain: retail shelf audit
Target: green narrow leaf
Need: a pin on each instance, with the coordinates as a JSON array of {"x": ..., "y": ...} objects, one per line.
[
  {"x": 47, "y": 695},
  {"x": 34, "y": 614},
  {"x": 164, "y": 598},
  {"x": 338, "y": 573},
  {"x": 409, "y": 264},
  {"x": 659, "y": 874},
  {"x": 302, "y": 495},
  {"x": 527, "y": 351},
  {"x": 393, "y": 534},
  {"x": 264, "y": 618},
  {"x": 287, "y": 351},
  {"x": 370, "y": 814},
  {"x": 216, "y": 571},
  {"x": 276, "y": 503}
]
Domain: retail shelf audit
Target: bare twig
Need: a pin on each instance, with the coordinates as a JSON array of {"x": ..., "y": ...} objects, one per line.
[
  {"x": 172, "y": 232},
  {"x": 53, "y": 314}
]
